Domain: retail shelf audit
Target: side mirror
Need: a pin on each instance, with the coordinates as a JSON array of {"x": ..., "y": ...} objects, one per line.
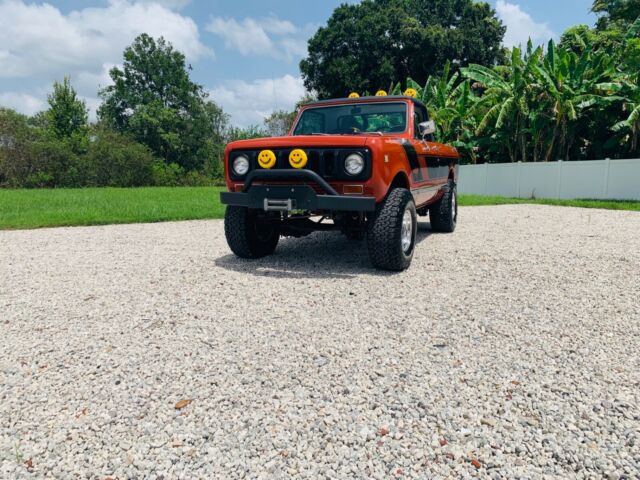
[{"x": 427, "y": 128}]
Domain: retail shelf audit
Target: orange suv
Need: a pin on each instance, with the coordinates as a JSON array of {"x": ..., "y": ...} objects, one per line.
[{"x": 364, "y": 166}]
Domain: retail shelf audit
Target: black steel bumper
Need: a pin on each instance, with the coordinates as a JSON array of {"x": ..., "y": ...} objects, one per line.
[{"x": 294, "y": 197}]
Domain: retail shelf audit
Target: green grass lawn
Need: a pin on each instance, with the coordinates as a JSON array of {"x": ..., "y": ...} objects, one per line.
[
  {"x": 100, "y": 206},
  {"x": 479, "y": 200}
]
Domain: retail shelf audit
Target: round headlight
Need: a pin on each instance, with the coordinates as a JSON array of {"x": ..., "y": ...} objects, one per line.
[
  {"x": 354, "y": 164},
  {"x": 241, "y": 165}
]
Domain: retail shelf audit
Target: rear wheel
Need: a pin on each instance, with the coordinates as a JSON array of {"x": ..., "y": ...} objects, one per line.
[
  {"x": 444, "y": 213},
  {"x": 391, "y": 234},
  {"x": 249, "y": 233}
]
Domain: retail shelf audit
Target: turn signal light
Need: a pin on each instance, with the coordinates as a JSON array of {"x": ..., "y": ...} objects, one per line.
[{"x": 352, "y": 190}]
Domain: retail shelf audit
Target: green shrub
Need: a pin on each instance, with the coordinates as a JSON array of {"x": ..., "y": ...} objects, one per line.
[
  {"x": 164, "y": 175},
  {"x": 114, "y": 160},
  {"x": 32, "y": 157},
  {"x": 29, "y": 157}
]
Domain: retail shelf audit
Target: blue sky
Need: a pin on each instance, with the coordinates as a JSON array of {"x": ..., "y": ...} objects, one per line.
[{"x": 244, "y": 52}]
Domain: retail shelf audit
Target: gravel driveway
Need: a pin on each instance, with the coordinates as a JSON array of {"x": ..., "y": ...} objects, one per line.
[{"x": 510, "y": 349}]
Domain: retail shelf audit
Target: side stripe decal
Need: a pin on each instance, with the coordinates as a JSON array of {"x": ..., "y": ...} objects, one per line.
[
  {"x": 438, "y": 167},
  {"x": 412, "y": 157}
]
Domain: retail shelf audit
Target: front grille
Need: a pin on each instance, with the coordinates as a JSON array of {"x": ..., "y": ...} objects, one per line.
[
  {"x": 326, "y": 162},
  {"x": 286, "y": 183}
]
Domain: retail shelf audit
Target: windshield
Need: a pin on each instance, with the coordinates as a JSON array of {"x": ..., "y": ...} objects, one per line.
[{"x": 353, "y": 119}]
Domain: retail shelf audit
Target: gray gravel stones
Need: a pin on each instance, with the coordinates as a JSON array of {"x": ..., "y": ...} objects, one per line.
[{"x": 510, "y": 349}]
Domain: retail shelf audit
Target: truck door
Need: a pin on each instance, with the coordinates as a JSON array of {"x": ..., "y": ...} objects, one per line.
[{"x": 427, "y": 152}]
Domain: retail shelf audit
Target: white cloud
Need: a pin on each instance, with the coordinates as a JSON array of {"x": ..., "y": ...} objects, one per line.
[
  {"x": 247, "y": 37},
  {"x": 520, "y": 25},
  {"x": 249, "y": 103},
  {"x": 278, "y": 27},
  {"x": 39, "y": 38},
  {"x": 38, "y": 41},
  {"x": 22, "y": 102},
  {"x": 268, "y": 36},
  {"x": 175, "y": 4}
]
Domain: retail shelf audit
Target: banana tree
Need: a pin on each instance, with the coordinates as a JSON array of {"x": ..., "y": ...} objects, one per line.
[
  {"x": 507, "y": 91},
  {"x": 451, "y": 104},
  {"x": 628, "y": 130},
  {"x": 572, "y": 84},
  {"x": 458, "y": 120}
]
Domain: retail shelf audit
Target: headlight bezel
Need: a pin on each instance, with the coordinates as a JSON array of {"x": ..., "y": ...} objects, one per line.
[
  {"x": 234, "y": 168},
  {"x": 354, "y": 156}
]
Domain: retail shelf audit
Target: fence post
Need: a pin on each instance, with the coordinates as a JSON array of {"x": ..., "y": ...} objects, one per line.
[
  {"x": 518, "y": 171},
  {"x": 486, "y": 177},
  {"x": 605, "y": 187},
  {"x": 558, "y": 195}
]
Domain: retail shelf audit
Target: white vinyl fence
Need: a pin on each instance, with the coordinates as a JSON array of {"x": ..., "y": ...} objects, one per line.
[{"x": 594, "y": 179}]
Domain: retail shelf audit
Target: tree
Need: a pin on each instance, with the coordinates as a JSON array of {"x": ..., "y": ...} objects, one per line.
[
  {"x": 624, "y": 12},
  {"x": 451, "y": 105},
  {"x": 279, "y": 122},
  {"x": 32, "y": 157},
  {"x": 153, "y": 99},
  {"x": 572, "y": 84},
  {"x": 252, "y": 131},
  {"x": 506, "y": 92},
  {"x": 363, "y": 46},
  {"x": 67, "y": 115}
]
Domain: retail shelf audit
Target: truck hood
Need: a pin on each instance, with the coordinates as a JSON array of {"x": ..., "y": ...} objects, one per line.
[{"x": 297, "y": 141}]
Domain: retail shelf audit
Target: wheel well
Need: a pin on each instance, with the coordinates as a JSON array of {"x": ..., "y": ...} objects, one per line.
[{"x": 399, "y": 181}]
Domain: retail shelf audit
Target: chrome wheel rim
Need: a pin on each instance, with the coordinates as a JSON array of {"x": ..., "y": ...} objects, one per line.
[
  {"x": 454, "y": 206},
  {"x": 407, "y": 231}
]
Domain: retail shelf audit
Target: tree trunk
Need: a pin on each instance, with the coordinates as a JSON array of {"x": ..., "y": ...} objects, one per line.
[
  {"x": 553, "y": 140},
  {"x": 570, "y": 140}
]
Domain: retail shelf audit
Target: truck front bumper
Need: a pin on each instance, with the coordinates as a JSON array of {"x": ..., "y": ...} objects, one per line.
[{"x": 294, "y": 197}]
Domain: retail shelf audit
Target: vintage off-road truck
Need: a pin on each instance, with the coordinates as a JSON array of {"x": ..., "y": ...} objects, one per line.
[{"x": 366, "y": 166}]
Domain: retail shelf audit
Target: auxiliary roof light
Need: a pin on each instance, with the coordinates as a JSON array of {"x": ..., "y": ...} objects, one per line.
[
  {"x": 411, "y": 92},
  {"x": 354, "y": 95},
  {"x": 381, "y": 93}
]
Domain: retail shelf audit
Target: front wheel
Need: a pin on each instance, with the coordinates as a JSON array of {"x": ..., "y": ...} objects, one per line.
[
  {"x": 391, "y": 234},
  {"x": 249, "y": 234}
]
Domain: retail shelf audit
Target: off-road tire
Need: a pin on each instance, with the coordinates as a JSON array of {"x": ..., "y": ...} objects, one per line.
[
  {"x": 444, "y": 213},
  {"x": 355, "y": 235},
  {"x": 247, "y": 236},
  {"x": 384, "y": 232}
]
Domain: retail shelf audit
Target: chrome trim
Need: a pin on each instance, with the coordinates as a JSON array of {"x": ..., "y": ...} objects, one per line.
[
  {"x": 273, "y": 205},
  {"x": 430, "y": 188}
]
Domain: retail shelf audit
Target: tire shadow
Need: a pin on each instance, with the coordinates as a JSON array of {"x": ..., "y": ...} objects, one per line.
[{"x": 319, "y": 255}]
